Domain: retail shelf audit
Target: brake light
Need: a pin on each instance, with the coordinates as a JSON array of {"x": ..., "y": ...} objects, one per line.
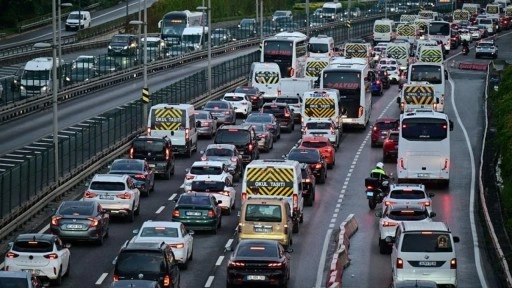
[
  {"x": 275, "y": 265},
  {"x": 187, "y": 133},
  {"x": 244, "y": 196},
  {"x": 426, "y": 203},
  {"x": 177, "y": 245},
  {"x": 55, "y": 220},
  {"x": 375, "y": 128},
  {"x": 453, "y": 263},
  {"x": 236, "y": 264},
  {"x": 176, "y": 213},
  {"x": 399, "y": 263},
  {"x": 11, "y": 255},
  {"x": 318, "y": 165},
  {"x": 189, "y": 177},
  {"x": 226, "y": 112},
  {"x": 388, "y": 203},
  {"x": 167, "y": 154},
  {"x": 140, "y": 176},
  {"x": 167, "y": 281},
  {"x": 378, "y": 82},
  {"x": 239, "y": 227},
  {"x": 389, "y": 224},
  {"x": 295, "y": 202},
  {"x": 233, "y": 159},
  {"x": 254, "y": 97},
  {"x": 446, "y": 164},
  {"x": 402, "y": 166},
  {"x": 307, "y": 180},
  {"x": 149, "y": 131},
  {"x": 250, "y": 147},
  {"x": 116, "y": 278},
  {"x": 94, "y": 222},
  {"x": 131, "y": 153},
  {"x": 211, "y": 214},
  {"x": 51, "y": 256},
  {"x": 125, "y": 196},
  {"x": 369, "y": 187},
  {"x": 225, "y": 193},
  {"x": 286, "y": 114},
  {"x": 88, "y": 194}
]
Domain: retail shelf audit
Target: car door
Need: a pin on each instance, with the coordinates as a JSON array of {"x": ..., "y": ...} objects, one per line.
[
  {"x": 187, "y": 239},
  {"x": 232, "y": 193},
  {"x": 172, "y": 266},
  {"x": 216, "y": 207},
  {"x": 136, "y": 193}
]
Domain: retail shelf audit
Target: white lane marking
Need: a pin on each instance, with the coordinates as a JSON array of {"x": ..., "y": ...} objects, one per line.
[
  {"x": 476, "y": 249},
  {"x": 219, "y": 261},
  {"x": 320, "y": 272},
  {"x": 230, "y": 241},
  {"x": 101, "y": 279},
  {"x": 173, "y": 196},
  {"x": 160, "y": 210},
  {"x": 209, "y": 282}
]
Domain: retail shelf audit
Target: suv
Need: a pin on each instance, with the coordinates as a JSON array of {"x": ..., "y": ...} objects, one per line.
[
  {"x": 254, "y": 95},
  {"x": 295, "y": 105},
  {"x": 123, "y": 44},
  {"x": 117, "y": 194},
  {"x": 24, "y": 279},
  {"x": 486, "y": 48},
  {"x": 205, "y": 167},
  {"x": 155, "y": 259},
  {"x": 243, "y": 137},
  {"x": 380, "y": 130},
  {"x": 283, "y": 114},
  {"x": 157, "y": 152}
]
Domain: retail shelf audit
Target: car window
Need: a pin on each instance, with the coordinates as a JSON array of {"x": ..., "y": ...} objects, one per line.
[
  {"x": 309, "y": 156},
  {"x": 318, "y": 125},
  {"x": 232, "y": 136},
  {"x": 314, "y": 144},
  {"x": 127, "y": 166},
  {"x": 393, "y": 136},
  {"x": 259, "y": 118},
  {"x": 246, "y": 90},
  {"x": 273, "y": 109},
  {"x": 202, "y": 116},
  {"x": 426, "y": 242},
  {"x": 208, "y": 186},
  {"x": 140, "y": 262},
  {"x": 264, "y": 213},
  {"x": 407, "y": 194},
  {"x": 33, "y": 246},
  {"x": 234, "y": 98},
  {"x": 11, "y": 282},
  {"x": 216, "y": 105},
  {"x": 159, "y": 232},
  {"x": 194, "y": 200},
  {"x": 107, "y": 186},
  {"x": 287, "y": 100},
  {"x": 148, "y": 145},
  {"x": 386, "y": 125},
  {"x": 77, "y": 210},
  {"x": 219, "y": 152},
  {"x": 259, "y": 250}
]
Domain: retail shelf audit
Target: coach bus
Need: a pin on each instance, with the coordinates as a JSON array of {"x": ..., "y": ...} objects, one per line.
[
  {"x": 430, "y": 73},
  {"x": 289, "y": 51},
  {"x": 173, "y": 24}
]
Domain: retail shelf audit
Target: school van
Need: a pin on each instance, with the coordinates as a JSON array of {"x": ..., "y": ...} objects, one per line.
[
  {"x": 178, "y": 123},
  {"x": 431, "y": 54},
  {"x": 78, "y": 20},
  {"x": 37, "y": 77},
  {"x": 383, "y": 31},
  {"x": 276, "y": 179},
  {"x": 265, "y": 77},
  {"x": 424, "y": 251},
  {"x": 331, "y": 11}
]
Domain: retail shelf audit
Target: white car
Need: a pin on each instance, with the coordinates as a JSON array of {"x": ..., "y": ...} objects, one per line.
[
  {"x": 386, "y": 62},
  {"x": 465, "y": 35},
  {"x": 322, "y": 127},
  {"x": 221, "y": 185},
  {"x": 393, "y": 73},
  {"x": 240, "y": 101},
  {"x": 43, "y": 255},
  {"x": 407, "y": 193},
  {"x": 208, "y": 168},
  {"x": 476, "y": 34},
  {"x": 116, "y": 193},
  {"x": 393, "y": 215},
  {"x": 173, "y": 234}
]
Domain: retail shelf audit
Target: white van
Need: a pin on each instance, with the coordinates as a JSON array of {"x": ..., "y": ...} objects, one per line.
[
  {"x": 178, "y": 123},
  {"x": 424, "y": 251},
  {"x": 78, "y": 20},
  {"x": 194, "y": 37},
  {"x": 488, "y": 24},
  {"x": 37, "y": 77},
  {"x": 383, "y": 31},
  {"x": 331, "y": 11},
  {"x": 266, "y": 77}
]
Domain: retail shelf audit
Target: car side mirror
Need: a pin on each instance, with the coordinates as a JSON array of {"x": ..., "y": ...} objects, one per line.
[
  {"x": 191, "y": 232},
  {"x": 135, "y": 231},
  {"x": 114, "y": 261},
  {"x": 378, "y": 214},
  {"x": 219, "y": 201},
  {"x": 389, "y": 239},
  {"x": 86, "y": 184},
  {"x": 451, "y": 125},
  {"x": 54, "y": 210},
  {"x": 432, "y": 214},
  {"x": 67, "y": 245},
  {"x": 456, "y": 239},
  {"x": 284, "y": 156},
  {"x": 202, "y": 151},
  {"x": 437, "y": 100},
  {"x": 289, "y": 250},
  {"x": 187, "y": 170}
]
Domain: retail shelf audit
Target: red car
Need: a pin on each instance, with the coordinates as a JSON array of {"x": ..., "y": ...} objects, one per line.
[
  {"x": 380, "y": 129},
  {"x": 322, "y": 144},
  {"x": 506, "y": 22},
  {"x": 390, "y": 146}
]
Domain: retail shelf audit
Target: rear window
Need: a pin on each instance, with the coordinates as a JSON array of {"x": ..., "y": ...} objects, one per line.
[
  {"x": 234, "y": 98},
  {"x": 140, "y": 262},
  {"x": 273, "y": 109},
  {"x": 287, "y": 100},
  {"x": 33, "y": 246},
  {"x": 258, "y": 118},
  {"x": 127, "y": 166},
  {"x": 194, "y": 200},
  {"x": 159, "y": 232},
  {"x": 246, "y": 90},
  {"x": 309, "y": 156},
  {"x": 426, "y": 242},
  {"x": 393, "y": 136},
  {"x": 408, "y": 215},
  {"x": 219, "y": 152},
  {"x": 262, "y": 212},
  {"x": 235, "y": 136},
  {"x": 407, "y": 194},
  {"x": 386, "y": 125},
  {"x": 74, "y": 209},
  {"x": 208, "y": 186},
  {"x": 318, "y": 125},
  {"x": 201, "y": 116},
  {"x": 206, "y": 170},
  {"x": 258, "y": 250},
  {"x": 148, "y": 145},
  {"x": 107, "y": 186},
  {"x": 216, "y": 105},
  {"x": 312, "y": 144},
  {"x": 10, "y": 282}
]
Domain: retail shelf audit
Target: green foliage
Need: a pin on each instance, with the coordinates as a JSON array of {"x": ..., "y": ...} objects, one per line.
[{"x": 502, "y": 105}]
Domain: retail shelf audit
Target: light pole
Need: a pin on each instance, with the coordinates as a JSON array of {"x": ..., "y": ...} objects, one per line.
[
  {"x": 145, "y": 90},
  {"x": 209, "y": 15},
  {"x": 60, "y": 5},
  {"x": 261, "y": 17},
  {"x": 307, "y": 18},
  {"x": 55, "y": 88}
]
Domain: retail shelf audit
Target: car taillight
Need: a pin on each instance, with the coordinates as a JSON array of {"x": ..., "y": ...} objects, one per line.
[
  {"x": 453, "y": 263},
  {"x": 389, "y": 224},
  {"x": 295, "y": 202},
  {"x": 125, "y": 196},
  {"x": 205, "y": 124},
  {"x": 389, "y": 203},
  {"x": 176, "y": 213},
  {"x": 148, "y": 131},
  {"x": 235, "y": 264},
  {"x": 11, "y": 255},
  {"x": 51, "y": 256},
  {"x": 275, "y": 265},
  {"x": 131, "y": 153},
  {"x": 167, "y": 281},
  {"x": 375, "y": 128},
  {"x": 189, "y": 177},
  {"x": 116, "y": 278},
  {"x": 426, "y": 203},
  {"x": 204, "y": 158},
  {"x": 140, "y": 176},
  {"x": 244, "y": 196},
  {"x": 254, "y": 97},
  {"x": 177, "y": 245},
  {"x": 286, "y": 114},
  {"x": 233, "y": 159},
  {"x": 244, "y": 102},
  {"x": 446, "y": 164},
  {"x": 225, "y": 193},
  {"x": 250, "y": 147},
  {"x": 317, "y": 166},
  {"x": 187, "y": 133},
  {"x": 378, "y": 82},
  {"x": 399, "y": 263},
  {"x": 402, "y": 166},
  {"x": 94, "y": 222},
  {"x": 227, "y": 112},
  {"x": 88, "y": 194},
  {"x": 167, "y": 154},
  {"x": 307, "y": 180},
  {"x": 55, "y": 220},
  {"x": 239, "y": 227},
  {"x": 211, "y": 214}
]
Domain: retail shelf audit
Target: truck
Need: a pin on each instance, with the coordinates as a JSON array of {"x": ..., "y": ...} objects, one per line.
[
  {"x": 417, "y": 96},
  {"x": 37, "y": 77},
  {"x": 195, "y": 38}
]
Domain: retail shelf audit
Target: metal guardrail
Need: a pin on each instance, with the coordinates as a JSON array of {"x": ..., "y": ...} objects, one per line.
[{"x": 15, "y": 49}]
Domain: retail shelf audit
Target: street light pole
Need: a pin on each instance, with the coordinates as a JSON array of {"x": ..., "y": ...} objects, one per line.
[
  {"x": 59, "y": 36},
  {"x": 307, "y": 18},
  {"x": 261, "y": 17},
  {"x": 145, "y": 90},
  {"x": 55, "y": 87},
  {"x": 210, "y": 48}
]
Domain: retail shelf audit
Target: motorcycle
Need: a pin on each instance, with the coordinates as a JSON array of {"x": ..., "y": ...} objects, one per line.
[
  {"x": 465, "y": 50},
  {"x": 376, "y": 190}
]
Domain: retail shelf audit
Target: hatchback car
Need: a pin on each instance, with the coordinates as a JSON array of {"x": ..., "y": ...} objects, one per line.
[
  {"x": 220, "y": 186},
  {"x": 205, "y": 167},
  {"x": 229, "y": 155},
  {"x": 323, "y": 145},
  {"x": 221, "y": 36},
  {"x": 380, "y": 130},
  {"x": 80, "y": 220},
  {"x": 240, "y": 101},
  {"x": 123, "y": 44},
  {"x": 323, "y": 127},
  {"x": 243, "y": 137},
  {"x": 265, "y": 139},
  {"x": 254, "y": 94},
  {"x": 486, "y": 48},
  {"x": 390, "y": 146},
  {"x": 311, "y": 157},
  {"x": 139, "y": 170},
  {"x": 283, "y": 114},
  {"x": 19, "y": 279},
  {"x": 408, "y": 193},
  {"x": 135, "y": 284},
  {"x": 208, "y": 123},
  {"x": 43, "y": 255},
  {"x": 269, "y": 120},
  {"x": 198, "y": 211},
  {"x": 223, "y": 110}
]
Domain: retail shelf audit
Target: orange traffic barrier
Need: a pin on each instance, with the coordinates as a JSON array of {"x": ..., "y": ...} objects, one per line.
[
  {"x": 350, "y": 225},
  {"x": 473, "y": 66}
]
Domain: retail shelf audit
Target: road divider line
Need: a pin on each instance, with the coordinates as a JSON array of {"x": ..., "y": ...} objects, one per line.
[
  {"x": 172, "y": 197},
  {"x": 160, "y": 210},
  {"x": 219, "y": 260},
  {"x": 101, "y": 279},
  {"x": 209, "y": 282}
]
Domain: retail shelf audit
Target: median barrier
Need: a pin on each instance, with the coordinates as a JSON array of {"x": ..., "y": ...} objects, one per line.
[
  {"x": 343, "y": 238},
  {"x": 332, "y": 278},
  {"x": 473, "y": 66},
  {"x": 335, "y": 285},
  {"x": 350, "y": 225}
]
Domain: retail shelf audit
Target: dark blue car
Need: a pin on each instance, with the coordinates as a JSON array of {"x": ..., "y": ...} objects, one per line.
[{"x": 376, "y": 88}]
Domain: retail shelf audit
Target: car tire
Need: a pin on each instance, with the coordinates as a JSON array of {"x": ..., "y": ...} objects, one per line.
[
  {"x": 167, "y": 175},
  {"x": 236, "y": 177},
  {"x": 309, "y": 201},
  {"x": 184, "y": 266},
  {"x": 58, "y": 280},
  {"x": 322, "y": 179},
  {"x": 384, "y": 248},
  {"x": 220, "y": 222},
  {"x": 131, "y": 217},
  {"x": 68, "y": 271},
  {"x": 191, "y": 254},
  {"x": 107, "y": 233}
]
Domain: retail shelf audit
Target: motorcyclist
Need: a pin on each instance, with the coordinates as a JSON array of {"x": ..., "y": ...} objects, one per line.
[
  {"x": 465, "y": 45},
  {"x": 378, "y": 172}
]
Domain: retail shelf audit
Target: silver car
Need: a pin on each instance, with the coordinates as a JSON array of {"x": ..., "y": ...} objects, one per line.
[
  {"x": 223, "y": 110},
  {"x": 208, "y": 123},
  {"x": 265, "y": 137}
]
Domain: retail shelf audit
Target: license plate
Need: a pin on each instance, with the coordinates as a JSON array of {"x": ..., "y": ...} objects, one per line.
[
  {"x": 423, "y": 174},
  {"x": 33, "y": 272},
  {"x": 427, "y": 263},
  {"x": 262, "y": 230},
  {"x": 106, "y": 197},
  {"x": 256, "y": 277},
  {"x": 370, "y": 194},
  {"x": 193, "y": 213},
  {"x": 241, "y": 153},
  {"x": 74, "y": 226}
]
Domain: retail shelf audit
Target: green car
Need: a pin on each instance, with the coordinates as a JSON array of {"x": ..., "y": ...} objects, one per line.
[{"x": 198, "y": 211}]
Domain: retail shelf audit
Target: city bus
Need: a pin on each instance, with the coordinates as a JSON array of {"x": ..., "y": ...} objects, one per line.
[
  {"x": 440, "y": 30},
  {"x": 289, "y": 51},
  {"x": 351, "y": 77},
  {"x": 173, "y": 24},
  {"x": 429, "y": 73},
  {"x": 424, "y": 149}
]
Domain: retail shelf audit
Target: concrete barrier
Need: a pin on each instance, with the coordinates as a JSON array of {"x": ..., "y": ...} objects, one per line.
[
  {"x": 350, "y": 225},
  {"x": 473, "y": 66},
  {"x": 343, "y": 238},
  {"x": 332, "y": 278},
  {"x": 335, "y": 285}
]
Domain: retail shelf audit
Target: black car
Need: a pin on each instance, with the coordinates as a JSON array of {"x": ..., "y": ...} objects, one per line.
[
  {"x": 157, "y": 152},
  {"x": 313, "y": 158},
  {"x": 283, "y": 114},
  {"x": 247, "y": 28},
  {"x": 107, "y": 65},
  {"x": 308, "y": 184},
  {"x": 140, "y": 171},
  {"x": 123, "y": 44},
  {"x": 16, "y": 80},
  {"x": 294, "y": 102},
  {"x": 268, "y": 119},
  {"x": 263, "y": 262},
  {"x": 80, "y": 220},
  {"x": 254, "y": 95},
  {"x": 383, "y": 77},
  {"x": 243, "y": 137},
  {"x": 19, "y": 279},
  {"x": 80, "y": 74},
  {"x": 136, "y": 284},
  {"x": 147, "y": 261}
]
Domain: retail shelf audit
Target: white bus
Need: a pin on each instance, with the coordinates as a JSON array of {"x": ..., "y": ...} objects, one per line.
[
  {"x": 429, "y": 73},
  {"x": 440, "y": 30},
  {"x": 351, "y": 77},
  {"x": 289, "y": 51},
  {"x": 424, "y": 150},
  {"x": 173, "y": 24}
]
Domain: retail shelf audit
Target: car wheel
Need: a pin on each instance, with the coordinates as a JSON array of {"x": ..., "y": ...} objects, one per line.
[
  {"x": 147, "y": 192},
  {"x": 220, "y": 222},
  {"x": 167, "y": 174},
  {"x": 322, "y": 179},
  {"x": 58, "y": 280},
  {"x": 236, "y": 177},
  {"x": 184, "y": 266},
  {"x": 68, "y": 271},
  {"x": 191, "y": 254},
  {"x": 131, "y": 217},
  {"x": 107, "y": 233}
]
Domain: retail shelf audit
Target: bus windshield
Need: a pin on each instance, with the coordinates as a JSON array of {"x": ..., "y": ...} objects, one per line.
[
  {"x": 279, "y": 52},
  {"x": 318, "y": 48},
  {"x": 439, "y": 29},
  {"x": 426, "y": 73},
  {"x": 347, "y": 82},
  {"x": 174, "y": 24},
  {"x": 424, "y": 129}
]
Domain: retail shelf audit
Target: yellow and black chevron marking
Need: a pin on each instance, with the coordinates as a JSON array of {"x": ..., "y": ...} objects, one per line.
[
  {"x": 491, "y": 9},
  {"x": 267, "y": 78},
  {"x": 406, "y": 30},
  {"x": 314, "y": 68},
  {"x": 168, "y": 119},
  {"x": 356, "y": 50},
  {"x": 319, "y": 107},
  {"x": 382, "y": 28},
  {"x": 431, "y": 55},
  {"x": 422, "y": 25},
  {"x": 270, "y": 181},
  {"x": 397, "y": 52},
  {"x": 408, "y": 18},
  {"x": 419, "y": 95},
  {"x": 145, "y": 95}
]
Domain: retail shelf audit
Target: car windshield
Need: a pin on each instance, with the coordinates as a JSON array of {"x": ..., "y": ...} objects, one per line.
[
  {"x": 75, "y": 209},
  {"x": 217, "y": 105},
  {"x": 37, "y": 246},
  {"x": 314, "y": 144},
  {"x": 107, "y": 186},
  {"x": 232, "y": 136},
  {"x": 246, "y": 90},
  {"x": 208, "y": 186},
  {"x": 318, "y": 125},
  {"x": 263, "y": 250},
  {"x": 409, "y": 194},
  {"x": 263, "y": 213},
  {"x": 159, "y": 232},
  {"x": 273, "y": 109},
  {"x": 393, "y": 137},
  {"x": 139, "y": 262},
  {"x": 234, "y": 98},
  {"x": 308, "y": 156},
  {"x": 287, "y": 100},
  {"x": 127, "y": 166},
  {"x": 258, "y": 118},
  {"x": 206, "y": 170},
  {"x": 486, "y": 45},
  {"x": 148, "y": 145},
  {"x": 219, "y": 152},
  {"x": 259, "y": 128}
]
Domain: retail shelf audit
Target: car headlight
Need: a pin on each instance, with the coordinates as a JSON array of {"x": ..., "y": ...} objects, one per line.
[
  {"x": 125, "y": 47},
  {"x": 109, "y": 47},
  {"x": 67, "y": 79},
  {"x": 22, "y": 87},
  {"x": 44, "y": 89}
]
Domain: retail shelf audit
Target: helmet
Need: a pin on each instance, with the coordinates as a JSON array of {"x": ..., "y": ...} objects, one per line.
[{"x": 380, "y": 165}]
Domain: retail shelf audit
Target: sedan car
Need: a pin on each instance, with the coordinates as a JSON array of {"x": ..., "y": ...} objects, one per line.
[
  {"x": 265, "y": 139},
  {"x": 383, "y": 77},
  {"x": 80, "y": 74},
  {"x": 135, "y": 284},
  {"x": 208, "y": 123},
  {"x": 264, "y": 262},
  {"x": 254, "y": 94},
  {"x": 390, "y": 146},
  {"x": 19, "y": 279},
  {"x": 408, "y": 193},
  {"x": 198, "y": 211},
  {"x": 475, "y": 33},
  {"x": 173, "y": 234},
  {"x": 313, "y": 158},
  {"x": 84, "y": 61},
  {"x": 220, "y": 186},
  {"x": 268, "y": 119},
  {"x": 221, "y": 36},
  {"x": 139, "y": 170},
  {"x": 380, "y": 130},
  {"x": 294, "y": 103},
  {"x": 80, "y": 220},
  {"x": 323, "y": 127},
  {"x": 323, "y": 145},
  {"x": 283, "y": 114},
  {"x": 223, "y": 110},
  {"x": 240, "y": 101},
  {"x": 107, "y": 65},
  {"x": 465, "y": 35},
  {"x": 43, "y": 255},
  {"x": 228, "y": 154},
  {"x": 308, "y": 184}
]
